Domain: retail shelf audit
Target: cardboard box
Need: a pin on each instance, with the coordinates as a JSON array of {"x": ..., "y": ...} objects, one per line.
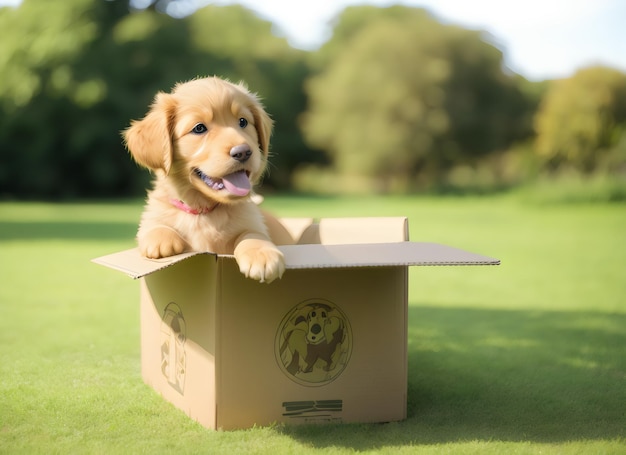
[{"x": 327, "y": 342}]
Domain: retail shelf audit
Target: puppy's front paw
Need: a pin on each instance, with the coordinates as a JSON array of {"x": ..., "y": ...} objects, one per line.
[
  {"x": 160, "y": 242},
  {"x": 260, "y": 260}
]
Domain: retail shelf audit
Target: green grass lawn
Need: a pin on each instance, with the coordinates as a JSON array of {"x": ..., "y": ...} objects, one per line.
[{"x": 527, "y": 357}]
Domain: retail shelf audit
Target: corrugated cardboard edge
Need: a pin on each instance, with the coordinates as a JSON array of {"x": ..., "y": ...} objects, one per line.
[
  {"x": 313, "y": 256},
  {"x": 380, "y": 255}
]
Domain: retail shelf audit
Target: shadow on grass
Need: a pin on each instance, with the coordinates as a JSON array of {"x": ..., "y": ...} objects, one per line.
[
  {"x": 488, "y": 375},
  {"x": 71, "y": 230}
]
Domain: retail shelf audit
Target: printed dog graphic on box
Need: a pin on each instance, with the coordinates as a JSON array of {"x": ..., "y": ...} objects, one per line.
[
  {"x": 316, "y": 333},
  {"x": 173, "y": 355}
]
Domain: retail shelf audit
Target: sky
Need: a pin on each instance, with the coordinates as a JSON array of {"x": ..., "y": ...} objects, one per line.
[{"x": 541, "y": 39}]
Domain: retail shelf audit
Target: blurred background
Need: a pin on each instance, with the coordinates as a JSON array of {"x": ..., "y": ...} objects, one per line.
[{"x": 383, "y": 99}]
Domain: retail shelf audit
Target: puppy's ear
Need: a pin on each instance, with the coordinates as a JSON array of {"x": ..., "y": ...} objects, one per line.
[
  {"x": 263, "y": 124},
  {"x": 150, "y": 140}
]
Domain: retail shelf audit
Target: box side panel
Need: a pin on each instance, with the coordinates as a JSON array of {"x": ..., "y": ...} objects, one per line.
[
  {"x": 178, "y": 335},
  {"x": 350, "y": 231},
  {"x": 318, "y": 345}
]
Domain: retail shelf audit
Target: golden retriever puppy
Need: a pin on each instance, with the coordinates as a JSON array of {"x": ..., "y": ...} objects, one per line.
[{"x": 207, "y": 143}]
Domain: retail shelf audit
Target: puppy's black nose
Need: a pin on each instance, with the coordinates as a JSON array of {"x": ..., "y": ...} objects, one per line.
[{"x": 241, "y": 152}]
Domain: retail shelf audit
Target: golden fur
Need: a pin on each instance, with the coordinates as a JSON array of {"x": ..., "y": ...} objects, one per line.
[{"x": 197, "y": 140}]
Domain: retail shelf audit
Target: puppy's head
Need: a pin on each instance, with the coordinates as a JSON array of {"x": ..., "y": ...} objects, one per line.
[{"x": 208, "y": 136}]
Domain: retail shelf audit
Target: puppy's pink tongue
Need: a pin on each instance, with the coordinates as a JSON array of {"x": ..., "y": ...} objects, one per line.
[{"x": 237, "y": 183}]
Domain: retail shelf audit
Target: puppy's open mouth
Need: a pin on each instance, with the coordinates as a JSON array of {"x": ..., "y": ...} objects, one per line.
[{"x": 237, "y": 183}]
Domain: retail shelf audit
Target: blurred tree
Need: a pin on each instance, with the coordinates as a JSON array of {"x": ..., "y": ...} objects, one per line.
[
  {"x": 73, "y": 74},
  {"x": 27, "y": 46},
  {"x": 73, "y": 83},
  {"x": 581, "y": 122},
  {"x": 401, "y": 98},
  {"x": 40, "y": 91}
]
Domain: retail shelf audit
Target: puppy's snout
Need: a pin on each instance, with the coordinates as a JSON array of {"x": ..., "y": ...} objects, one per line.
[
  {"x": 316, "y": 328},
  {"x": 241, "y": 152}
]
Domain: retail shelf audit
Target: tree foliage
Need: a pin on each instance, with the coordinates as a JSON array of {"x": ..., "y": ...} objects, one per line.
[
  {"x": 402, "y": 96},
  {"x": 394, "y": 95},
  {"x": 582, "y": 120},
  {"x": 45, "y": 89},
  {"x": 74, "y": 73}
]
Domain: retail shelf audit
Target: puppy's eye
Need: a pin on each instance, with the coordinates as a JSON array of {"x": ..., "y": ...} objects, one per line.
[
  {"x": 243, "y": 122},
  {"x": 200, "y": 128}
]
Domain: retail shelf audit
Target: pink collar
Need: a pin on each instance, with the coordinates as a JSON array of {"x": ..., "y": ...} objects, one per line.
[{"x": 185, "y": 208}]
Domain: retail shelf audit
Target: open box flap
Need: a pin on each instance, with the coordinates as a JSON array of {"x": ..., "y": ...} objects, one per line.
[
  {"x": 379, "y": 255},
  {"x": 132, "y": 263}
]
